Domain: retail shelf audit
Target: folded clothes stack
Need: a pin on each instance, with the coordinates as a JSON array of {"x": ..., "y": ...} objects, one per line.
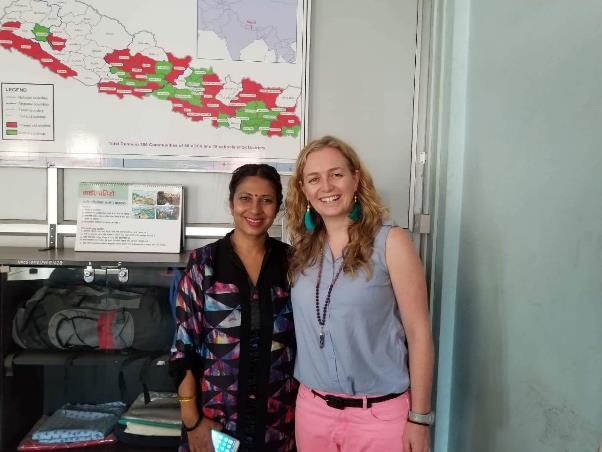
[
  {"x": 75, "y": 425},
  {"x": 79, "y": 422},
  {"x": 156, "y": 423},
  {"x": 160, "y": 416}
]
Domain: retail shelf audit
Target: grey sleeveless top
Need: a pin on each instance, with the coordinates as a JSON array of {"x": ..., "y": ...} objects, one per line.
[{"x": 364, "y": 350}]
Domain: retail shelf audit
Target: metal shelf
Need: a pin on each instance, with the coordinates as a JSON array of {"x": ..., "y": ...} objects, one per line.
[
  {"x": 32, "y": 257},
  {"x": 79, "y": 358}
]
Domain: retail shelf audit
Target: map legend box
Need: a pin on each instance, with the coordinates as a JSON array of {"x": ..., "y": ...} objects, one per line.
[{"x": 28, "y": 111}]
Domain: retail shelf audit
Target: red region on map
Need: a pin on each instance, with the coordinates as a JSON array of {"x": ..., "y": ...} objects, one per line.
[
  {"x": 56, "y": 42},
  {"x": 132, "y": 64},
  {"x": 32, "y": 49},
  {"x": 121, "y": 90},
  {"x": 179, "y": 66}
]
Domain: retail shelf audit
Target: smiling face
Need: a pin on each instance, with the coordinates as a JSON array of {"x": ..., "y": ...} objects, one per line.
[
  {"x": 253, "y": 206},
  {"x": 328, "y": 183}
]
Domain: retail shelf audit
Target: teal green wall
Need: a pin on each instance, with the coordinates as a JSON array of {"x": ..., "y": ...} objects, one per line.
[{"x": 525, "y": 371}]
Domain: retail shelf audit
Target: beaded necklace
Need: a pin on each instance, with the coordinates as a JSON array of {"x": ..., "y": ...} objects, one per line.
[{"x": 322, "y": 319}]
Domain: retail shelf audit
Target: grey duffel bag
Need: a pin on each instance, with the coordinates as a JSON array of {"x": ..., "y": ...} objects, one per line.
[{"x": 95, "y": 318}]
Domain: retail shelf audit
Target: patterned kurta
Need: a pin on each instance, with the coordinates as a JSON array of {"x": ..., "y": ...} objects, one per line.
[{"x": 213, "y": 326}]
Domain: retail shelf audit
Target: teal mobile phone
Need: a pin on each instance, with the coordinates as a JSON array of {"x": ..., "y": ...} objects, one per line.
[{"x": 223, "y": 442}]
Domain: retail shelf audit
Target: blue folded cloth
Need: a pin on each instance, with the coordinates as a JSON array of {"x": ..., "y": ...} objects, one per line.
[{"x": 79, "y": 422}]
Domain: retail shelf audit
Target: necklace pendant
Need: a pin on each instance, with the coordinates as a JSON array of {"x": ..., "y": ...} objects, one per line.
[{"x": 321, "y": 339}]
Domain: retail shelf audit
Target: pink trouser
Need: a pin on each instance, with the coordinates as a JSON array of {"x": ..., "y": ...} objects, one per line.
[{"x": 320, "y": 428}]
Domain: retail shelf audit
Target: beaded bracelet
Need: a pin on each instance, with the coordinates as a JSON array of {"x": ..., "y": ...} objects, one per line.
[{"x": 193, "y": 426}]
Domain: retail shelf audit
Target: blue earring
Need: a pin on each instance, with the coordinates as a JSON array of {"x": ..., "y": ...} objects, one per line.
[
  {"x": 356, "y": 211},
  {"x": 308, "y": 221}
]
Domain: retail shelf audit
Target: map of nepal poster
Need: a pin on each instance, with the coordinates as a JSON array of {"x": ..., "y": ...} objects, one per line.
[{"x": 212, "y": 79}]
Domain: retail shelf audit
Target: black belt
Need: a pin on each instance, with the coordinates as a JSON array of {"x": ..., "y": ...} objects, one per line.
[{"x": 340, "y": 403}]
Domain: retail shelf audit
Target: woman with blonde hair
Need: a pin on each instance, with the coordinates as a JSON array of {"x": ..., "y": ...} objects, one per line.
[{"x": 361, "y": 316}]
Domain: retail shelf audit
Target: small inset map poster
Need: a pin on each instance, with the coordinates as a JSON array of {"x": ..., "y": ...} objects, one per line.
[
  {"x": 248, "y": 30},
  {"x": 129, "y": 218}
]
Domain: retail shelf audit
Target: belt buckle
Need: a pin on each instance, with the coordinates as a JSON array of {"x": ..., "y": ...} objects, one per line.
[{"x": 335, "y": 402}]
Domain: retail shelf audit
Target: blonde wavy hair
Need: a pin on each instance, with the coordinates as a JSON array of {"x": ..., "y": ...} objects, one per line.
[{"x": 307, "y": 246}]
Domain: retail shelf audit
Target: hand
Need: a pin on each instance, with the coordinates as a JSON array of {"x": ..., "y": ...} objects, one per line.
[
  {"x": 199, "y": 439},
  {"x": 416, "y": 438}
]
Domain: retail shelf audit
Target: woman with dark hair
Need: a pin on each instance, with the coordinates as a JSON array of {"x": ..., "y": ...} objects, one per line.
[
  {"x": 234, "y": 347},
  {"x": 359, "y": 298}
]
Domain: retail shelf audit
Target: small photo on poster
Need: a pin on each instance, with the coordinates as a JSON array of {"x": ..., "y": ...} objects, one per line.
[
  {"x": 143, "y": 213},
  {"x": 144, "y": 197},
  {"x": 168, "y": 198},
  {"x": 168, "y": 212}
]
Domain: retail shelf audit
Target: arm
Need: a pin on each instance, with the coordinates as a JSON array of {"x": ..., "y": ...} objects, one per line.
[
  {"x": 184, "y": 359},
  {"x": 199, "y": 438},
  {"x": 409, "y": 286}
]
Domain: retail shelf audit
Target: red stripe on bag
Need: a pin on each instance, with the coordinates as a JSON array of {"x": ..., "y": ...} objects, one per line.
[{"x": 105, "y": 333}]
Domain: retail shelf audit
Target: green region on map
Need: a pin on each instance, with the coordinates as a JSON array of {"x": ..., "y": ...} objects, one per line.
[{"x": 40, "y": 32}]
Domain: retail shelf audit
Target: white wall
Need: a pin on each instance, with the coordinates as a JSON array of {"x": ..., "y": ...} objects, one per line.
[
  {"x": 526, "y": 370},
  {"x": 362, "y": 87}
]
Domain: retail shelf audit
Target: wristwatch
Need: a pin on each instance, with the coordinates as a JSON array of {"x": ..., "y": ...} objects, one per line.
[{"x": 422, "y": 419}]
